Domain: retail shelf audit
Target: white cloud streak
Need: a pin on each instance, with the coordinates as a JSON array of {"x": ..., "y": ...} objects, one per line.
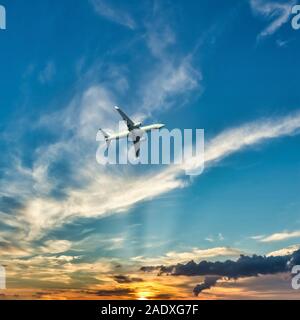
[
  {"x": 281, "y": 236},
  {"x": 173, "y": 78},
  {"x": 170, "y": 81},
  {"x": 47, "y": 74},
  {"x": 195, "y": 254},
  {"x": 113, "y": 14},
  {"x": 284, "y": 252},
  {"x": 278, "y": 12},
  {"x": 249, "y": 134},
  {"x": 107, "y": 191}
]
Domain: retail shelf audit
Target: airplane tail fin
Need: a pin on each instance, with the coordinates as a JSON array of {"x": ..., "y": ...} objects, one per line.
[{"x": 106, "y": 136}]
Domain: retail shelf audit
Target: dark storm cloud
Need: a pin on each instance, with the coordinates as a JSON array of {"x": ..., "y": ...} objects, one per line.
[
  {"x": 108, "y": 292},
  {"x": 208, "y": 282},
  {"x": 151, "y": 268},
  {"x": 126, "y": 279},
  {"x": 164, "y": 296},
  {"x": 245, "y": 266},
  {"x": 116, "y": 292}
]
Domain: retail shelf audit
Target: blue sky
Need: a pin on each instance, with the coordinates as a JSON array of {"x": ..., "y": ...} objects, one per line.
[{"x": 230, "y": 68}]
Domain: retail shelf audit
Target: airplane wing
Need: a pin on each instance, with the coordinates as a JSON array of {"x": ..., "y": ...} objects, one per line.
[{"x": 129, "y": 122}]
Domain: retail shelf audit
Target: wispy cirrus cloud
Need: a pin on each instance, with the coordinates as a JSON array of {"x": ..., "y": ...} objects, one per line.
[
  {"x": 56, "y": 246},
  {"x": 237, "y": 139},
  {"x": 48, "y": 72},
  {"x": 194, "y": 254},
  {"x": 62, "y": 270},
  {"x": 108, "y": 11},
  {"x": 277, "y": 12},
  {"x": 173, "y": 77},
  {"x": 280, "y": 236},
  {"x": 171, "y": 81},
  {"x": 100, "y": 195},
  {"x": 285, "y": 251}
]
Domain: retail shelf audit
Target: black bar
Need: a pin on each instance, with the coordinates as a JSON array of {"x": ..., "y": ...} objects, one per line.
[{"x": 144, "y": 309}]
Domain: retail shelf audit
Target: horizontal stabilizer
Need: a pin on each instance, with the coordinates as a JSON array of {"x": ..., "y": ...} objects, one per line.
[{"x": 106, "y": 136}]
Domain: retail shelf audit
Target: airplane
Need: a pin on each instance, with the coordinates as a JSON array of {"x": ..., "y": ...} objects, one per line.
[{"x": 135, "y": 131}]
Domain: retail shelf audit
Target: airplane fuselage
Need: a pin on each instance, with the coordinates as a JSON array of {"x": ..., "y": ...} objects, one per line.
[{"x": 125, "y": 134}]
